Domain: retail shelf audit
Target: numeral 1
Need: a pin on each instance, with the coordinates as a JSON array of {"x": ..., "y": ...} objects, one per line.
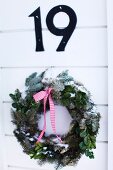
[{"x": 38, "y": 29}]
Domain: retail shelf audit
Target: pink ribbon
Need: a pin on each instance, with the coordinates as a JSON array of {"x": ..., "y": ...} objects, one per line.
[{"x": 47, "y": 95}]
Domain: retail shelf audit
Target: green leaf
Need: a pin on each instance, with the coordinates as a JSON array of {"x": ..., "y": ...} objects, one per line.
[
  {"x": 92, "y": 157},
  {"x": 18, "y": 94},
  {"x": 82, "y": 146},
  {"x": 39, "y": 144},
  {"x": 12, "y": 96},
  {"x": 83, "y": 134},
  {"x": 92, "y": 146},
  {"x": 87, "y": 140},
  {"x": 93, "y": 138},
  {"x": 37, "y": 147},
  {"x": 40, "y": 156},
  {"x": 14, "y": 105},
  {"x": 89, "y": 154}
]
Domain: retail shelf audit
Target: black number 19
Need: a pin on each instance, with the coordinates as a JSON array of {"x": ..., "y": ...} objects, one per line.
[{"x": 65, "y": 32}]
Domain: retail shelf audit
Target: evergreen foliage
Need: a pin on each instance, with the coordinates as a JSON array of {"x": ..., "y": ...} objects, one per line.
[{"x": 81, "y": 138}]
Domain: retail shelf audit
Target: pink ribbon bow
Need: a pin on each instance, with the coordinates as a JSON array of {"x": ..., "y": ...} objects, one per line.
[{"x": 47, "y": 95}]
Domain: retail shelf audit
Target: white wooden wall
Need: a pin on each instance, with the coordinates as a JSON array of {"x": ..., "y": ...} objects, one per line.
[
  {"x": 85, "y": 57},
  {"x": 110, "y": 81}
]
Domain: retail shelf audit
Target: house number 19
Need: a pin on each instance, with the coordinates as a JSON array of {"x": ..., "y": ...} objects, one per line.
[{"x": 65, "y": 32}]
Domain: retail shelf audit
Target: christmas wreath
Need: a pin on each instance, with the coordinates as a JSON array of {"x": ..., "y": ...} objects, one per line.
[{"x": 44, "y": 95}]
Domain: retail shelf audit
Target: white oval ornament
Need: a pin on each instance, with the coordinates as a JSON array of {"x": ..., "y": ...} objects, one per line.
[{"x": 62, "y": 121}]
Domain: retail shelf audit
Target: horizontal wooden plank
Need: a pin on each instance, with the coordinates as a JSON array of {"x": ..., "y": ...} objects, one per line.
[
  {"x": 94, "y": 79},
  {"x": 10, "y": 167},
  {"x": 86, "y": 47},
  {"x": 110, "y": 81},
  {"x": 103, "y": 131},
  {"x": 15, "y": 157},
  {"x": 1, "y": 152},
  {"x": 0, "y": 100},
  {"x": 9, "y": 127},
  {"x": 15, "y": 14},
  {"x": 1, "y": 163}
]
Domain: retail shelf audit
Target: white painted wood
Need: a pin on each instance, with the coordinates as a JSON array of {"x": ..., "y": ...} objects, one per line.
[
  {"x": 103, "y": 131},
  {"x": 21, "y": 168},
  {"x": 94, "y": 79},
  {"x": 87, "y": 47},
  {"x": 9, "y": 126},
  {"x": 1, "y": 129},
  {"x": 110, "y": 82},
  {"x": 14, "y": 13},
  {"x": 1, "y": 153},
  {"x": 3, "y": 162},
  {"x": 15, "y": 157},
  {"x": 2, "y": 137},
  {"x": 87, "y": 50},
  {"x": 0, "y": 100}
]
